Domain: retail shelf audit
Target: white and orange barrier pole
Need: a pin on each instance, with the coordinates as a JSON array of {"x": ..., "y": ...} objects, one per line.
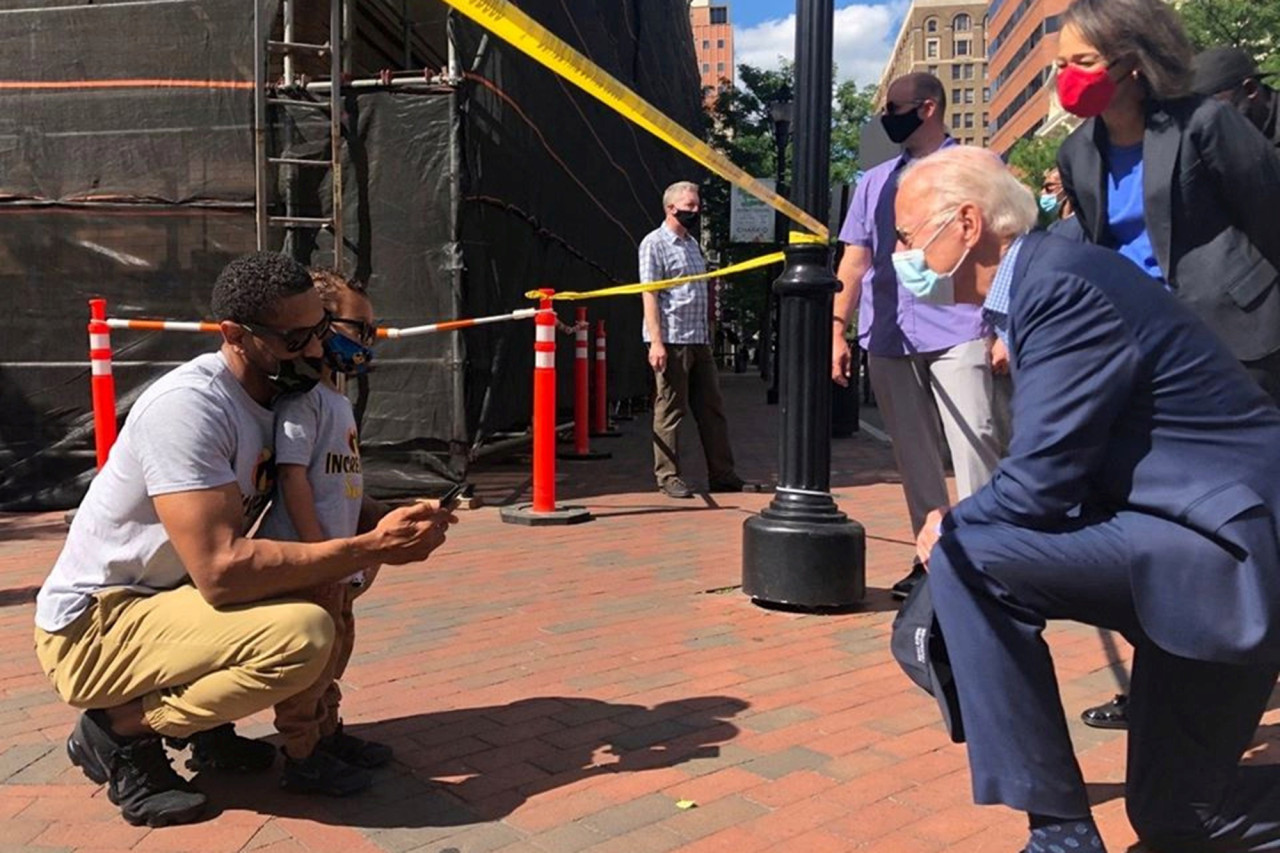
[
  {"x": 600, "y": 427},
  {"x": 102, "y": 383},
  {"x": 543, "y": 510},
  {"x": 162, "y": 325},
  {"x": 582, "y": 392}
]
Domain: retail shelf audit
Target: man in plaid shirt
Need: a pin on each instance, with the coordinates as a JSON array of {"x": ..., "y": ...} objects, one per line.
[{"x": 677, "y": 329}]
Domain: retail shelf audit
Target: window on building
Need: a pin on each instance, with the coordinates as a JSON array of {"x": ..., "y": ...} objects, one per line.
[
  {"x": 933, "y": 69},
  {"x": 931, "y": 49},
  {"x": 706, "y": 68},
  {"x": 719, "y": 14},
  {"x": 706, "y": 44},
  {"x": 968, "y": 96},
  {"x": 968, "y": 120},
  {"x": 720, "y": 68},
  {"x": 986, "y": 93},
  {"x": 720, "y": 44},
  {"x": 961, "y": 23},
  {"x": 968, "y": 71},
  {"x": 955, "y": 72},
  {"x": 955, "y": 96},
  {"x": 962, "y": 47},
  {"x": 931, "y": 25}
]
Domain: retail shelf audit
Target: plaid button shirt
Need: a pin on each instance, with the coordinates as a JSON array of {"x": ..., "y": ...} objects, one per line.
[{"x": 683, "y": 311}]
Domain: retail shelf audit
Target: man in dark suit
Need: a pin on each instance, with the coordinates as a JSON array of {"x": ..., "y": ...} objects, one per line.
[{"x": 1140, "y": 494}]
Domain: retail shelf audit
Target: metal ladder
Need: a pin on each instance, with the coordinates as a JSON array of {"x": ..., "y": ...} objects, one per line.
[{"x": 267, "y": 96}]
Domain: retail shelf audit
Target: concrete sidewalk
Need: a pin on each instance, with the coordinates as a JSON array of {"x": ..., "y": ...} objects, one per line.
[{"x": 565, "y": 689}]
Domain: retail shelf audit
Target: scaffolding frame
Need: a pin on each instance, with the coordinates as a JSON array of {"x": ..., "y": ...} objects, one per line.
[{"x": 289, "y": 92}]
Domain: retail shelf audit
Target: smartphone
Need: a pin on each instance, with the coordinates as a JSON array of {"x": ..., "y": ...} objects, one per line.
[{"x": 453, "y": 497}]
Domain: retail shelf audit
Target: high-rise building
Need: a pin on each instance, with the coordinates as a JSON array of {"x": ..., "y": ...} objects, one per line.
[
  {"x": 1020, "y": 54},
  {"x": 947, "y": 39},
  {"x": 713, "y": 43}
]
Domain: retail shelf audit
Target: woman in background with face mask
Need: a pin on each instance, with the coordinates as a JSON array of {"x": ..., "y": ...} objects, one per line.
[{"x": 1181, "y": 185}]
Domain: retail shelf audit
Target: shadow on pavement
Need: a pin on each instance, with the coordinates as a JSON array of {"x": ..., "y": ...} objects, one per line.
[{"x": 476, "y": 765}]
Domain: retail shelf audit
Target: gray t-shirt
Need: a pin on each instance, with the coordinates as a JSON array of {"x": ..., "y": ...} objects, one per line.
[
  {"x": 318, "y": 430},
  {"x": 195, "y": 428}
]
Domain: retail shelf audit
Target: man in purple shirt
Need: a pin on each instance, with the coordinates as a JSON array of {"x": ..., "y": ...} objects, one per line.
[{"x": 929, "y": 359}]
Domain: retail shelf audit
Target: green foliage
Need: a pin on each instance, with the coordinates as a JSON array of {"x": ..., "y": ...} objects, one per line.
[
  {"x": 741, "y": 126},
  {"x": 1031, "y": 158},
  {"x": 1250, "y": 24}
]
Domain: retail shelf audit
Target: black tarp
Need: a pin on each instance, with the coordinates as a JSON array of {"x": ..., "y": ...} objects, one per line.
[{"x": 456, "y": 201}]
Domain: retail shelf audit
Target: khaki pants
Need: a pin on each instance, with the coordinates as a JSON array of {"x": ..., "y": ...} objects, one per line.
[
  {"x": 193, "y": 666},
  {"x": 690, "y": 382},
  {"x": 306, "y": 717},
  {"x": 955, "y": 385}
]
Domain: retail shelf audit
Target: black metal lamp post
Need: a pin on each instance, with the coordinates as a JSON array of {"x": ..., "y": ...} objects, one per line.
[
  {"x": 780, "y": 110},
  {"x": 801, "y": 550}
]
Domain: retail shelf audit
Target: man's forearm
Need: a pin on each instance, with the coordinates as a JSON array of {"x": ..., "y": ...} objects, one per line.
[
  {"x": 850, "y": 291},
  {"x": 651, "y": 322},
  {"x": 259, "y": 569}
]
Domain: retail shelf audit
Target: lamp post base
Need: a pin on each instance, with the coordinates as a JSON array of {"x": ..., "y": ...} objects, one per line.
[{"x": 815, "y": 561}]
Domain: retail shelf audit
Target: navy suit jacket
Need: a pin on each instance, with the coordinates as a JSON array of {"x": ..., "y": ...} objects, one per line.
[{"x": 1127, "y": 407}]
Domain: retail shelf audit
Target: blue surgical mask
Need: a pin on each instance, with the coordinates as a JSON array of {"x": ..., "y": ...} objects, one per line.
[
  {"x": 1050, "y": 203},
  {"x": 346, "y": 356},
  {"x": 923, "y": 283}
]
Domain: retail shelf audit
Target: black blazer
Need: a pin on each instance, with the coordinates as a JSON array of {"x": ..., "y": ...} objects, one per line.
[{"x": 1211, "y": 182}]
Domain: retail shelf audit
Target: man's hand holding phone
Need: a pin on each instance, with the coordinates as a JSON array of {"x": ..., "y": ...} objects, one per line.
[{"x": 410, "y": 533}]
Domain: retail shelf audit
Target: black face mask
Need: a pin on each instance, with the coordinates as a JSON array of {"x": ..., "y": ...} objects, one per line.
[
  {"x": 900, "y": 127},
  {"x": 690, "y": 220},
  {"x": 296, "y": 375}
]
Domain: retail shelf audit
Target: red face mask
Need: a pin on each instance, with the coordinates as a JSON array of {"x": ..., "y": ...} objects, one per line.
[{"x": 1085, "y": 93}]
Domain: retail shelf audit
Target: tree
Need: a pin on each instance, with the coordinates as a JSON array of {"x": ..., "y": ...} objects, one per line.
[
  {"x": 1250, "y": 24},
  {"x": 740, "y": 125},
  {"x": 1031, "y": 158}
]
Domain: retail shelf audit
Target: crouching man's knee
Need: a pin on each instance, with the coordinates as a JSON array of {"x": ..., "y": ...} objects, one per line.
[{"x": 303, "y": 635}]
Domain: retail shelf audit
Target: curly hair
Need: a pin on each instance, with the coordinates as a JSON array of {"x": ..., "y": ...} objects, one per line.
[
  {"x": 249, "y": 287},
  {"x": 331, "y": 284}
]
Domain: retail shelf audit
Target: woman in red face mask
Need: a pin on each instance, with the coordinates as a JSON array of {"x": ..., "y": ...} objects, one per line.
[{"x": 1181, "y": 186}]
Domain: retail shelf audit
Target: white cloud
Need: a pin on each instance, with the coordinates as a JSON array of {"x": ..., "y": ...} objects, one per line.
[{"x": 864, "y": 37}]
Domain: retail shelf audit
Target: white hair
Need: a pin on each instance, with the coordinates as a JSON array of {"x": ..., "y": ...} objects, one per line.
[
  {"x": 964, "y": 173},
  {"x": 676, "y": 190}
]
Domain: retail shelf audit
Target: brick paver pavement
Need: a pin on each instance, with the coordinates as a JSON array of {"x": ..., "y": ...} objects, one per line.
[{"x": 566, "y": 689}]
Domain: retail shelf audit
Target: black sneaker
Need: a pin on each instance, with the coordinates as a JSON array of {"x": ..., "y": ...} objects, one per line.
[
  {"x": 1109, "y": 715},
  {"x": 356, "y": 751},
  {"x": 323, "y": 773},
  {"x": 902, "y": 588},
  {"x": 138, "y": 775},
  {"x": 220, "y": 748},
  {"x": 674, "y": 487}
]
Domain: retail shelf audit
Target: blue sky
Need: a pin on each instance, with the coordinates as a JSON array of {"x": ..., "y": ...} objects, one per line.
[{"x": 864, "y": 34}]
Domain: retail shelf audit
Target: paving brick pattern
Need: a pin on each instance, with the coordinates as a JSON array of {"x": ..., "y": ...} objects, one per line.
[{"x": 564, "y": 689}]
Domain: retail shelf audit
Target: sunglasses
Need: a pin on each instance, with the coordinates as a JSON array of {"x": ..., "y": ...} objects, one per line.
[
  {"x": 366, "y": 333},
  {"x": 294, "y": 340},
  {"x": 891, "y": 108}
]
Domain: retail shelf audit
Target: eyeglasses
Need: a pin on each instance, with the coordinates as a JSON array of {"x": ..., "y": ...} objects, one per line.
[
  {"x": 891, "y": 108},
  {"x": 294, "y": 340},
  {"x": 905, "y": 239},
  {"x": 366, "y": 333}
]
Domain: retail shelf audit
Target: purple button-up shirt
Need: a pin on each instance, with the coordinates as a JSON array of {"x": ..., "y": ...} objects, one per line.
[{"x": 892, "y": 322}]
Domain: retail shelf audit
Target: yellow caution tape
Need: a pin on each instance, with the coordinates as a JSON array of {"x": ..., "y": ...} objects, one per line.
[
  {"x": 649, "y": 286},
  {"x": 516, "y": 28},
  {"x": 798, "y": 237}
]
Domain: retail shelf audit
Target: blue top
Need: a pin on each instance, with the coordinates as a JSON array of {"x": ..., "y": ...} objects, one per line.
[
  {"x": 995, "y": 309},
  {"x": 1125, "y": 211}
]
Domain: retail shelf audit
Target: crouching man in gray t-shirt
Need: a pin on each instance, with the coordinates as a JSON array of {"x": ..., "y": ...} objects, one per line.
[{"x": 160, "y": 618}]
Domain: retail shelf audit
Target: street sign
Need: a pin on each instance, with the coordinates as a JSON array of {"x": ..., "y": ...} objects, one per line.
[{"x": 750, "y": 219}]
